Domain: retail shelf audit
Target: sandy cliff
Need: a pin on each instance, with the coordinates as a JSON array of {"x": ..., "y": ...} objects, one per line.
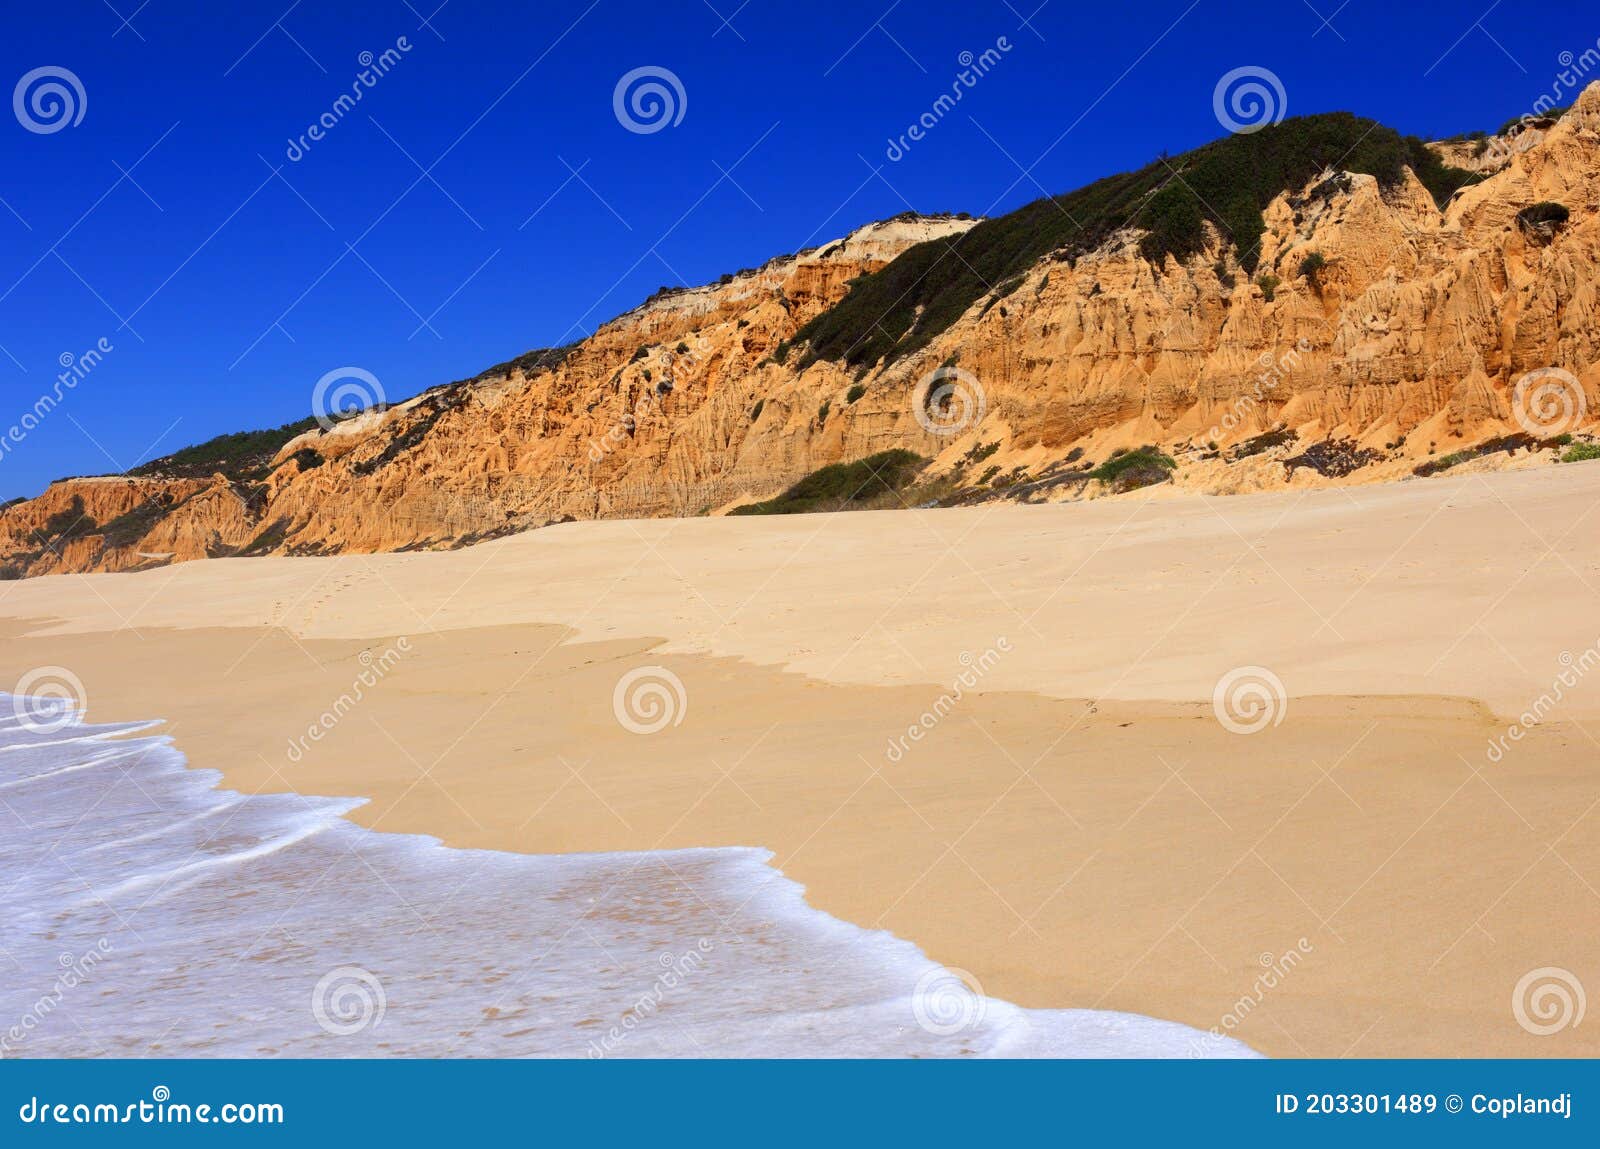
[{"x": 1401, "y": 344}]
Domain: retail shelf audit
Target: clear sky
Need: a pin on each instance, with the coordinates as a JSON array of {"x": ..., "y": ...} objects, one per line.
[{"x": 484, "y": 196}]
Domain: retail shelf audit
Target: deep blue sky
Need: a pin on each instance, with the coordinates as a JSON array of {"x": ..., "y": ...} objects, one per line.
[{"x": 221, "y": 288}]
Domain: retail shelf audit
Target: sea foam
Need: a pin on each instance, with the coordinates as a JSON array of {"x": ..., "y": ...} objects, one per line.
[{"x": 149, "y": 913}]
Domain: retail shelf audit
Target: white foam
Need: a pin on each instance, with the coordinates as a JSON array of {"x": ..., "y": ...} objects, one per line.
[{"x": 221, "y": 914}]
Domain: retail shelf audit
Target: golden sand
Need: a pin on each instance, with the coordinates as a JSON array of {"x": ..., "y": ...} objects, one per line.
[{"x": 1127, "y": 853}]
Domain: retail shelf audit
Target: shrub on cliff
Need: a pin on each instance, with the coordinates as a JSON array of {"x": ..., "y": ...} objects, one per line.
[
  {"x": 1130, "y": 470},
  {"x": 839, "y": 485},
  {"x": 1224, "y": 185},
  {"x": 242, "y": 455}
]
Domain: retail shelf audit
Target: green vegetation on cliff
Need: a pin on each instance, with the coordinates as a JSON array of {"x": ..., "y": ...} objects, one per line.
[
  {"x": 242, "y": 456},
  {"x": 838, "y": 486},
  {"x": 1226, "y": 183}
]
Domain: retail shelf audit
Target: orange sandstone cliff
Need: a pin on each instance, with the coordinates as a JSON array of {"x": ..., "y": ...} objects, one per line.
[{"x": 1375, "y": 335}]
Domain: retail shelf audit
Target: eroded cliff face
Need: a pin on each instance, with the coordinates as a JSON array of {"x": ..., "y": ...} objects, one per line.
[
  {"x": 1489, "y": 153},
  {"x": 1408, "y": 341},
  {"x": 639, "y": 419},
  {"x": 1402, "y": 339},
  {"x": 114, "y": 523}
]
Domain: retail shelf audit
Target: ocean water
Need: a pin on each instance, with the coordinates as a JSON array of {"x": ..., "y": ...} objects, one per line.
[{"x": 146, "y": 912}]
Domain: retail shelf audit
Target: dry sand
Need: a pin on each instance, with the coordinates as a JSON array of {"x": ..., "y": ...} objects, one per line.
[{"x": 1127, "y": 852}]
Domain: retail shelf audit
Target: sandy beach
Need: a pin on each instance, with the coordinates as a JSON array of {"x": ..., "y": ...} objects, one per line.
[{"x": 1074, "y": 822}]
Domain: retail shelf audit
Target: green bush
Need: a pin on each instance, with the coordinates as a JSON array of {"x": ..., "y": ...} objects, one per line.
[
  {"x": 854, "y": 393},
  {"x": 529, "y": 363},
  {"x": 1542, "y": 120},
  {"x": 1269, "y": 287},
  {"x": 1444, "y": 463},
  {"x": 1581, "y": 453},
  {"x": 1130, "y": 470},
  {"x": 982, "y": 452},
  {"x": 1505, "y": 444},
  {"x": 242, "y": 455},
  {"x": 822, "y": 411},
  {"x": 902, "y": 307},
  {"x": 838, "y": 486},
  {"x": 1311, "y": 267},
  {"x": 1257, "y": 444}
]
